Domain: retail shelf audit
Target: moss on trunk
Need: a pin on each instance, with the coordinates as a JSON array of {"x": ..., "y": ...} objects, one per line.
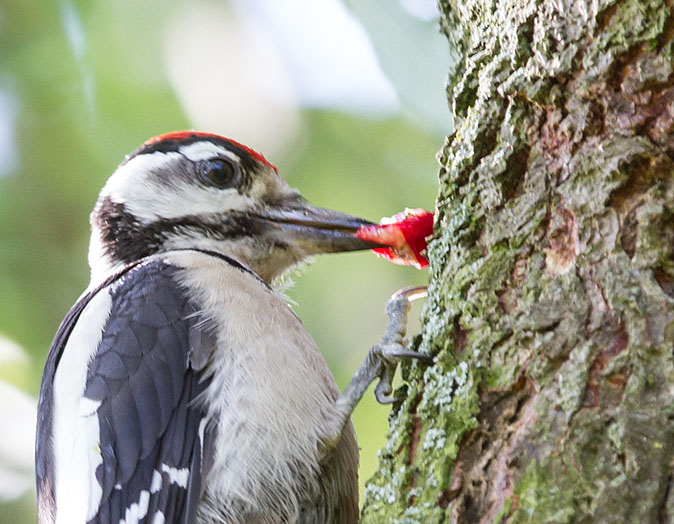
[{"x": 551, "y": 305}]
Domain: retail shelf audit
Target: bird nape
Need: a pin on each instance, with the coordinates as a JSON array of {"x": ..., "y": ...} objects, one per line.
[{"x": 181, "y": 388}]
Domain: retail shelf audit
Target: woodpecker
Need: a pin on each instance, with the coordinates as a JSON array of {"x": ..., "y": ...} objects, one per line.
[{"x": 181, "y": 387}]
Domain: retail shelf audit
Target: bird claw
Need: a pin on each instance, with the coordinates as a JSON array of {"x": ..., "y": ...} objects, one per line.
[
  {"x": 409, "y": 294},
  {"x": 393, "y": 346},
  {"x": 382, "y": 397},
  {"x": 381, "y": 362},
  {"x": 390, "y": 359},
  {"x": 399, "y": 354}
]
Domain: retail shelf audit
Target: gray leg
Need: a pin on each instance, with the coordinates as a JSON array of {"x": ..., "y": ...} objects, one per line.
[{"x": 381, "y": 361}]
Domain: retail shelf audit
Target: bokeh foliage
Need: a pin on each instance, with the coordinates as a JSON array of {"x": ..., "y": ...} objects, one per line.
[{"x": 84, "y": 99}]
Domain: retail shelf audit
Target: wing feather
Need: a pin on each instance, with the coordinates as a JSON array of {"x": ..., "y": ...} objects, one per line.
[{"x": 145, "y": 384}]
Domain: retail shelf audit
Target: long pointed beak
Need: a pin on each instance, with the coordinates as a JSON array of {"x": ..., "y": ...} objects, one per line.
[{"x": 313, "y": 230}]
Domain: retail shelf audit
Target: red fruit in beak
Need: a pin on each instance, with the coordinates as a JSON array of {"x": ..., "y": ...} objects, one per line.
[{"x": 405, "y": 235}]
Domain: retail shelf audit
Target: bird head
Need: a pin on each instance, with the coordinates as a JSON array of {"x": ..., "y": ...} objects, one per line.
[{"x": 187, "y": 190}]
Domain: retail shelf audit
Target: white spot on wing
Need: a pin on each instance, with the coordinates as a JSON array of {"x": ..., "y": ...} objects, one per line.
[
  {"x": 75, "y": 424},
  {"x": 156, "y": 482},
  {"x": 202, "y": 429},
  {"x": 159, "y": 518},
  {"x": 138, "y": 510},
  {"x": 177, "y": 476}
]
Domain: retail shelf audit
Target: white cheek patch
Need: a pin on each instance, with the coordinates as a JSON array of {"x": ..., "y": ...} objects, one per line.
[
  {"x": 131, "y": 183},
  {"x": 185, "y": 199},
  {"x": 205, "y": 150}
]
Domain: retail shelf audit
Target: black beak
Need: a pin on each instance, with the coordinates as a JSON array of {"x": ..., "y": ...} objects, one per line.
[{"x": 314, "y": 230}]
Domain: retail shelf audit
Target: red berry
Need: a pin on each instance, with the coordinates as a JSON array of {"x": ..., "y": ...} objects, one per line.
[{"x": 405, "y": 234}]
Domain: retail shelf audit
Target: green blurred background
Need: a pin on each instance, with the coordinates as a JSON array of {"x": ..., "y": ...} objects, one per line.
[{"x": 346, "y": 98}]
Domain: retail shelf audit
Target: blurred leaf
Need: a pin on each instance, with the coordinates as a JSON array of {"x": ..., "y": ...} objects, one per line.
[
  {"x": 79, "y": 110},
  {"x": 414, "y": 55}
]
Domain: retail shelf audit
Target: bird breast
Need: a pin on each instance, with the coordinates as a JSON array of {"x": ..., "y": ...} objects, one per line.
[{"x": 271, "y": 396}]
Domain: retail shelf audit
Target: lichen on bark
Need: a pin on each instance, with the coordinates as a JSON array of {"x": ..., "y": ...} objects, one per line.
[{"x": 551, "y": 303}]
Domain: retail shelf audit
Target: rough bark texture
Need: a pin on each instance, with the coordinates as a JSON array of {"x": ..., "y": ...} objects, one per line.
[{"x": 551, "y": 307}]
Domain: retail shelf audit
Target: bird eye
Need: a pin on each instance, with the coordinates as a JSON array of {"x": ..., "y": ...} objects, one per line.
[{"x": 220, "y": 172}]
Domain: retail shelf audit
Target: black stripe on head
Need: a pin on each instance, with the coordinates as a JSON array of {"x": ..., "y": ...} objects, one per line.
[{"x": 125, "y": 239}]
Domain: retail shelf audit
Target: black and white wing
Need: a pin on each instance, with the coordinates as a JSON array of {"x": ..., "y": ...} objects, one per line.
[{"x": 122, "y": 435}]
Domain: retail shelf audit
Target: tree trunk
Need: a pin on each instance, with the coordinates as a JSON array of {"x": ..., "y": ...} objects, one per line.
[{"x": 551, "y": 305}]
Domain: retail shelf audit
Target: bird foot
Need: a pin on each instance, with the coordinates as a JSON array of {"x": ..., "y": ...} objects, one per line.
[
  {"x": 393, "y": 347},
  {"x": 380, "y": 363},
  {"x": 383, "y": 358}
]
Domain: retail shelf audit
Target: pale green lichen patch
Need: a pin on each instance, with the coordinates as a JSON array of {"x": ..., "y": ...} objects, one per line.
[{"x": 538, "y": 494}]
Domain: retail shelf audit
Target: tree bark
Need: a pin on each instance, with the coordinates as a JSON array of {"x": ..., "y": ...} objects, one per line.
[{"x": 551, "y": 301}]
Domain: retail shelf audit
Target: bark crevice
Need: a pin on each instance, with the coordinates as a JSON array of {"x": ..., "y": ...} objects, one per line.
[{"x": 551, "y": 303}]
